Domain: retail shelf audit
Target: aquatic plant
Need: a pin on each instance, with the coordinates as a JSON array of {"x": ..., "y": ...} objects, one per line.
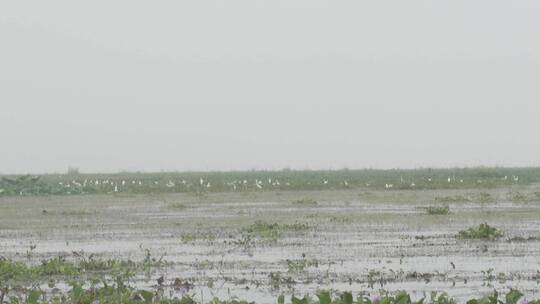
[
  {"x": 483, "y": 231},
  {"x": 295, "y": 266},
  {"x": 438, "y": 210},
  {"x": 451, "y": 199},
  {"x": 273, "y": 230},
  {"x": 305, "y": 202}
]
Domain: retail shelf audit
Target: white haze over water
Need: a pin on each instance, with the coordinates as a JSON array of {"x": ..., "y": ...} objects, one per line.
[{"x": 235, "y": 85}]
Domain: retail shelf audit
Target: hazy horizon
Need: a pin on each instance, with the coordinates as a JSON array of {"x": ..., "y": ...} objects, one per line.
[{"x": 240, "y": 85}]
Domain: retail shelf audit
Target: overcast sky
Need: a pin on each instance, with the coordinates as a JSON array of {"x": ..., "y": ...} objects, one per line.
[{"x": 224, "y": 85}]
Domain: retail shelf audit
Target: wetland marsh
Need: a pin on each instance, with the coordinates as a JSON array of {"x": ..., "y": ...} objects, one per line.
[{"x": 257, "y": 246}]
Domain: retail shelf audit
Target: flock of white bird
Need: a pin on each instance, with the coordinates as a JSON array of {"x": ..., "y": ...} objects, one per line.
[{"x": 238, "y": 184}]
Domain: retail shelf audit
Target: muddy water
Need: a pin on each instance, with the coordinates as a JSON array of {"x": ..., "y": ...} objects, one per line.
[{"x": 359, "y": 242}]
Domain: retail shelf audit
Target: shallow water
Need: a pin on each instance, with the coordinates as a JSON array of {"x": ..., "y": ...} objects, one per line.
[{"x": 386, "y": 233}]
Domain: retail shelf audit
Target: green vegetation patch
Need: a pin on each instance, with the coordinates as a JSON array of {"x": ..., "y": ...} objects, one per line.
[
  {"x": 438, "y": 210},
  {"x": 452, "y": 199},
  {"x": 273, "y": 230},
  {"x": 483, "y": 231},
  {"x": 305, "y": 202}
]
